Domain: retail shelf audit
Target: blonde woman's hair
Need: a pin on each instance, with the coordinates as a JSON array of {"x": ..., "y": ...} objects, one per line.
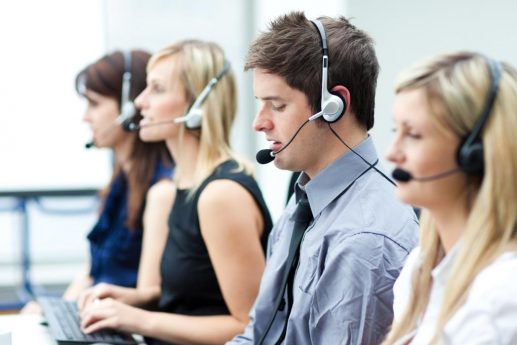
[
  {"x": 456, "y": 86},
  {"x": 199, "y": 62}
]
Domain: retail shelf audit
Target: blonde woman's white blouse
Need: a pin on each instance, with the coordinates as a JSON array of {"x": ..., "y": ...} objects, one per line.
[{"x": 489, "y": 314}]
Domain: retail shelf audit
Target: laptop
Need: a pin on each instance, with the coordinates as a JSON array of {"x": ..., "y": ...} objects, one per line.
[{"x": 64, "y": 324}]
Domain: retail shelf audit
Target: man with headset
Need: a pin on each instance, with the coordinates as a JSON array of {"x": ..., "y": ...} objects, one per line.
[{"x": 331, "y": 282}]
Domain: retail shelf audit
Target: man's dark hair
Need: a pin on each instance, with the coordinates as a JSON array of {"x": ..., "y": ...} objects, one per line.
[{"x": 291, "y": 48}]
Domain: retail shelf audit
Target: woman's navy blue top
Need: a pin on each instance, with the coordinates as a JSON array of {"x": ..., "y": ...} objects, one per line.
[{"x": 114, "y": 248}]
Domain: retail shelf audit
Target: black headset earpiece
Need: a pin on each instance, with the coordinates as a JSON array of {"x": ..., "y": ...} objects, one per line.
[
  {"x": 470, "y": 153},
  {"x": 127, "y": 107},
  {"x": 194, "y": 116},
  {"x": 333, "y": 106}
]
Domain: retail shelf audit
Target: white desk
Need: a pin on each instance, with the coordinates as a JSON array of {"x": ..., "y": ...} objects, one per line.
[{"x": 26, "y": 330}]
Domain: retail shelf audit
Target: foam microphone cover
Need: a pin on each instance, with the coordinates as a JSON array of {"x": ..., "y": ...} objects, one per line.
[
  {"x": 401, "y": 175},
  {"x": 264, "y": 156}
]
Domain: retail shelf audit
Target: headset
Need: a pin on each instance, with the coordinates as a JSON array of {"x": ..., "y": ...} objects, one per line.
[
  {"x": 470, "y": 153},
  {"x": 333, "y": 106},
  {"x": 194, "y": 116},
  {"x": 127, "y": 107}
]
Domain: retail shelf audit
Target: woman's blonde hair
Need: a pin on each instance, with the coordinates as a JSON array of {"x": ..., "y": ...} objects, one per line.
[
  {"x": 456, "y": 86},
  {"x": 199, "y": 62}
]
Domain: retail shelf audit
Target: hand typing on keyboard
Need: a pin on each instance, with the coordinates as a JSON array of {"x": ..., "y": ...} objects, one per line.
[
  {"x": 101, "y": 291},
  {"x": 112, "y": 314},
  {"x": 131, "y": 296},
  {"x": 63, "y": 321}
]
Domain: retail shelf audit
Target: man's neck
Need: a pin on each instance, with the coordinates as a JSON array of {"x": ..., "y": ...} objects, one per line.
[{"x": 335, "y": 146}]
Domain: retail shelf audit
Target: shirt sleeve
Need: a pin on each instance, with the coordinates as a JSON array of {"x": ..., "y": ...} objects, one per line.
[
  {"x": 489, "y": 314},
  {"x": 354, "y": 295}
]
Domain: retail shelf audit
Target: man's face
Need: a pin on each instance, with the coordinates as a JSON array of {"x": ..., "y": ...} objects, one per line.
[{"x": 282, "y": 111}]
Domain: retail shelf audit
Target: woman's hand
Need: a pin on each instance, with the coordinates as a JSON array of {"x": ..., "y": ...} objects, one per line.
[
  {"x": 102, "y": 291},
  {"x": 109, "y": 313}
]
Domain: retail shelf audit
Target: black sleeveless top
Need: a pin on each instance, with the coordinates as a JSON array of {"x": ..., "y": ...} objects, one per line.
[{"x": 188, "y": 281}]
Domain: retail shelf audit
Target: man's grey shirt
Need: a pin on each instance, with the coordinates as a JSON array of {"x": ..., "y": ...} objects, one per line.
[{"x": 350, "y": 257}]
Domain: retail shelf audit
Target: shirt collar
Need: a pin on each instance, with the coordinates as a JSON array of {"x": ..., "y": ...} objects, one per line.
[{"x": 332, "y": 180}]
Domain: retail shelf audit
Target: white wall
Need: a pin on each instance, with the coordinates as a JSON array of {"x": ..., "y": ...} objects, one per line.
[
  {"x": 406, "y": 31},
  {"x": 44, "y": 44}
]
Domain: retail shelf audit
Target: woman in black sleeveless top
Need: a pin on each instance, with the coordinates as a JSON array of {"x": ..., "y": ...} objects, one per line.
[
  {"x": 219, "y": 224},
  {"x": 189, "y": 282}
]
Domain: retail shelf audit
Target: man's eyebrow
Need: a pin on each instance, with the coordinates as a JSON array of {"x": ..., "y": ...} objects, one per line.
[{"x": 270, "y": 98}]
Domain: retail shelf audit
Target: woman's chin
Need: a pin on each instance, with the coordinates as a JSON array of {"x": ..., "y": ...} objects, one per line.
[
  {"x": 405, "y": 196},
  {"x": 148, "y": 135}
]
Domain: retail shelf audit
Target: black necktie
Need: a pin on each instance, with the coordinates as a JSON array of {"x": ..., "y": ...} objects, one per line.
[{"x": 301, "y": 217}]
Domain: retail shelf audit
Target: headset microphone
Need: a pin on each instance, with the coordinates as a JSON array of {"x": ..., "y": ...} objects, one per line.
[
  {"x": 405, "y": 176},
  {"x": 267, "y": 155},
  {"x": 89, "y": 144},
  {"x": 133, "y": 127}
]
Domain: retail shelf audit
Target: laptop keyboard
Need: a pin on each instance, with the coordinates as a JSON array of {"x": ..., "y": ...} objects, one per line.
[{"x": 63, "y": 319}]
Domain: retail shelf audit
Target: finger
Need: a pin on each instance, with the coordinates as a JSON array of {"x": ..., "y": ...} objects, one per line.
[
  {"x": 99, "y": 291},
  {"x": 93, "y": 315},
  {"x": 83, "y": 299},
  {"x": 98, "y": 309},
  {"x": 103, "y": 290},
  {"x": 98, "y": 325},
  {"x": 91, "y": 300}
]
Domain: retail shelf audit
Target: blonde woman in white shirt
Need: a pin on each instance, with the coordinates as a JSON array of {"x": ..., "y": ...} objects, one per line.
[{"x": 455, "y": 155}]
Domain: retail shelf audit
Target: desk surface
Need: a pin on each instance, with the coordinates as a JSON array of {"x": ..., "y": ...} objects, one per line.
[{"x": 26, "y": 329}]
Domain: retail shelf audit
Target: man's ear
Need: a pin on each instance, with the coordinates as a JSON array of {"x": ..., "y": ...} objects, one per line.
[{"x": 342, "y": 92}]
